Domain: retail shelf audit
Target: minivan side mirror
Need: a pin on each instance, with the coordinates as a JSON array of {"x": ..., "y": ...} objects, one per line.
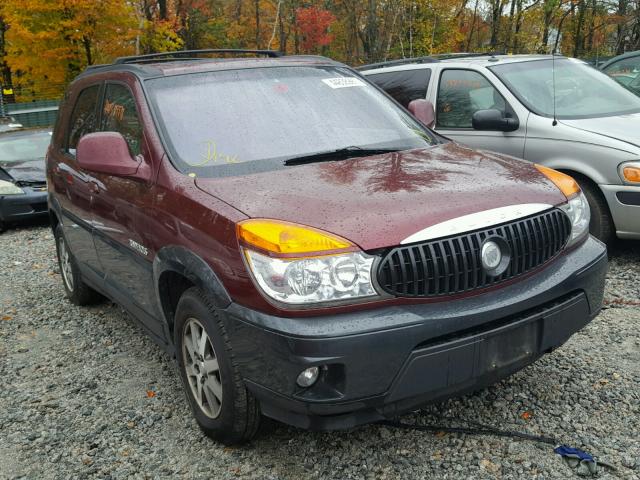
[
  {"x": 494, "y": 120},
  {"x": 108, "y": 152},
  {"x": 423, "y": 110}
]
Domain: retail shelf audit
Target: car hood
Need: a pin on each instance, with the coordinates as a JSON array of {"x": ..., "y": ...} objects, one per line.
[
  {"x": 379, "y": 201},
  {"x": 625, "y": 128},
  {"x": 29, "y": 171}
]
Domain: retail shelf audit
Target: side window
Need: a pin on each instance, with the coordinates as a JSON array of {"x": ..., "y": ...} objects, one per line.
[
  {"x": 119, "y": 114},
  {"x": 625, "y": 71},
  {"x": 404, "y": 86},
  {"x": 461, "y": 93},
  {"x": 83, "y": 119}
]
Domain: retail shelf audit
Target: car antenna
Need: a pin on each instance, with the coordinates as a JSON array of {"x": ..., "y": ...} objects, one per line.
[{"x": 553, "y": 86}]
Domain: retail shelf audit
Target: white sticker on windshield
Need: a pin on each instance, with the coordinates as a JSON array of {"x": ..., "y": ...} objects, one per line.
[{"x": 342, "y": 82}]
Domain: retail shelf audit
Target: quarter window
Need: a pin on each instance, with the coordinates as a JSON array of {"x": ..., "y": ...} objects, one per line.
[
  {"x": 461, "y": 93},
  {"x": 83, "y": 118},
  {"x": 119, "y": 114},
  {"x": 404, "y": 86}
]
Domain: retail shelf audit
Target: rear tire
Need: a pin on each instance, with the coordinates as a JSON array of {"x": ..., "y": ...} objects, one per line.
[
  {"x": 78, "y": 292},
  {"x": 223, "y": 407},
  {"x": 601, "y": 225}
]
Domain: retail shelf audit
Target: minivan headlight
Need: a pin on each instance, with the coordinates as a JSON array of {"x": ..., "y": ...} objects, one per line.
[
  {"x": 8, "y": 188},
  {"x": 300, "y": 265},
  {"x": 577, "y": 208},
  {"x": 630, "y": 172}
]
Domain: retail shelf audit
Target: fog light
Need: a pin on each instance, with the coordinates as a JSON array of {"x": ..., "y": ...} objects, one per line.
[{"x": 308, "y": 377}]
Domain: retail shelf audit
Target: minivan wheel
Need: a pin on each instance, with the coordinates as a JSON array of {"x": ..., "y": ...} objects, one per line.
[
  {"x": 224, "y": 409},
  {"x": 601, "y": 225},
  {"x": 78, "y": 292}
]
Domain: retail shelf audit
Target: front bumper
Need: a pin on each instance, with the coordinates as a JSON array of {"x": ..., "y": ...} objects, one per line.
[
  {"x": 624, "y": 204},
  {"x": 380, "y": 363},
  {"x": 14, "y": 208}
]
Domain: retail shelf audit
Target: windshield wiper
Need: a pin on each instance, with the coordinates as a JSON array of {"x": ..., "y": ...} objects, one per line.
[{"x": 339, "y": 154}]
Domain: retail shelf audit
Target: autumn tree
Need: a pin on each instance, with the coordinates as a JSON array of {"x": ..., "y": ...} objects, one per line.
[
  {"x": 50, "y": 42},
  {"x": 314, "y": 25}
]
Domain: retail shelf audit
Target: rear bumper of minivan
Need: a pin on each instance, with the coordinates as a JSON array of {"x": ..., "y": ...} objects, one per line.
[
  {"x": 624, "y": 204},
  {"x": 376, "y": 364}
]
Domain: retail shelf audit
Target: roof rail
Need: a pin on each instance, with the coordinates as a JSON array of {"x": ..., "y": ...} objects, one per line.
[
  {"x": 180, "y": 55},
  {"x": 452, "y": 55},
  {"x": 402, "y": 61},
  {"x": 429, "y": 59}
]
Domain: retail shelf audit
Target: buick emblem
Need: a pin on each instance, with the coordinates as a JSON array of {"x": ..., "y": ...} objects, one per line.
[
  {"x": 491, "y": 255},
  {"x": 495, "y": 256}
]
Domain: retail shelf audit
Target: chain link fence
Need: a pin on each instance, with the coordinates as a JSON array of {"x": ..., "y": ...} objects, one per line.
[{"x": 32, "y": 105}]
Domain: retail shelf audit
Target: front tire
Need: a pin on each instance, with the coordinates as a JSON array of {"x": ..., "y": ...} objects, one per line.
[
  {"x": 78, "y": 292},
  {"x": 601, "y": 225},
  {"x": 224, "y": 409}
]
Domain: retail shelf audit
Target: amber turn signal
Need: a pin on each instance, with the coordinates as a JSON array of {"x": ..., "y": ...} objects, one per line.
[
  {"x": 631, "y": 174},
  {"x": 564, "y": 182},
  {"x": 288, "y": 238}
]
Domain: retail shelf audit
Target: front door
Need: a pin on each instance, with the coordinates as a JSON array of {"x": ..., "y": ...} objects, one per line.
[
  {"x": 119, "y": 214},
  {"x": 459, "y": 94}
]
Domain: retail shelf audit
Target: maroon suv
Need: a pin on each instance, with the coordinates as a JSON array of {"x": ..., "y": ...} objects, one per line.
[{"x": 306, "y": 248}]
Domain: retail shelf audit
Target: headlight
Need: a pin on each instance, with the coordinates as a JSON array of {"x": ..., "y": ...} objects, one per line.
[
  {"x": 315, "y": 279},
  {"x": 630, "y": 172},
  {"x": 8, "y": 188},
  {"x": 300, "y": 265},
  {"x": 577, "y": 208}
]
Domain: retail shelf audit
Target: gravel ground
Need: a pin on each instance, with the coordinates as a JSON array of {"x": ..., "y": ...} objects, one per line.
[{"x": 86, "y": 394}]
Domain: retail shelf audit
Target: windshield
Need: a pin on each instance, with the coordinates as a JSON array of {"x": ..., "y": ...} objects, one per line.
[
  {"x": 240, "y": 121},
  {"x": 580, "y": 90},
  {"x": 22, "y": 146}
]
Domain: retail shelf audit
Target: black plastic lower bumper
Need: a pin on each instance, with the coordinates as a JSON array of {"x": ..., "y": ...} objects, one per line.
[
  {"x": 31, "y": 204},
  {"x": 379, "y": 363}
]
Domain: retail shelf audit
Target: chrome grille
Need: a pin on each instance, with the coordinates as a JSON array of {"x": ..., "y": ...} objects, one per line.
[{"x": 453, "y": 265}]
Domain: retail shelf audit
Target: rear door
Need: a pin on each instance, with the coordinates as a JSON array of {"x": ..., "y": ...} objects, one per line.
[
  {"x": 72, "y": 186},
  {"x": 119, "y": 212},
  {"x": 458, "y": 94}
]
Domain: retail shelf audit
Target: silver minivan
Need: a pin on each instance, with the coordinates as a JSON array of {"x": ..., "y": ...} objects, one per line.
[{"x": 559, "y": 112}]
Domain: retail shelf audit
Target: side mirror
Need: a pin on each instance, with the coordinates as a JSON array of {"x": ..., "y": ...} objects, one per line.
[
  {"x": 494, "y": 120},
  {"x": 423, "y": 110},
  {"x": 108, "y": 152}
]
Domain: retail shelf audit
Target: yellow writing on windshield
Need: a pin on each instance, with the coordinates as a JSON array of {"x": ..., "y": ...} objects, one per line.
[{"x": 211, "y": 155}]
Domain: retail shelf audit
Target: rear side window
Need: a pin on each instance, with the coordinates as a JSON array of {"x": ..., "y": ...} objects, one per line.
[
  {"x": 404, "y": 86},
  {"x": 119, "y": 114},
  {"x": 84, "y": 118}
]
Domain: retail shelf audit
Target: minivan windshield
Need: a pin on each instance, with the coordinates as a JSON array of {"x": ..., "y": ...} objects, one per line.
[
  {"x": 240, "y": 121},
  {"x": 23, "y": 146},
  {"x": 581, "y": 91}
]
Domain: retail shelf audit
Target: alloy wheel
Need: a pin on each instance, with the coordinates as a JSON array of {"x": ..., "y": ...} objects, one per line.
[
  {"x": 201, "y": 367},
  {"x": 65, "y": 264}
]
